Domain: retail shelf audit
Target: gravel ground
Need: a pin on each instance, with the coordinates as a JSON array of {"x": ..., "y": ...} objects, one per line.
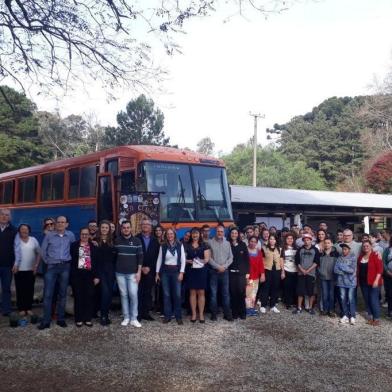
[{"x": 273, "y": 352}]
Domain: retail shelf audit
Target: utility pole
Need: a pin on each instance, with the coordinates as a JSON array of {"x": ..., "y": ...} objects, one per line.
[{"x": 255, "y": 116}]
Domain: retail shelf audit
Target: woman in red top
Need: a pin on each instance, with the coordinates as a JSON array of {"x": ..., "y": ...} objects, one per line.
[
  {"x": 256, "y": 275},
  {"x": 370, "y": 269}
]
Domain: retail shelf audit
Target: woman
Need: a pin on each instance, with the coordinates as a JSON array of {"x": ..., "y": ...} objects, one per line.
[
  {"x": 321, "y": 235},
  {"x": 387, "y": 261},
  {"x": 197, "y": 256},
  {"x": 170, "y": 270},
  {"x": 287, "y": 259},
  {"x": 106, "y": 258},
  {"x": 83, "y": 277},
  {"x": 346, "y": 281},
  {"x": 320, "y": 238},
  {"x": 159, "y": 234},
  {"x": 238, "y": 274},
  {"x": 256, "y": 275},
  {"x": 27, "y": 256},
  {"x": 370, "y": 269},
  {"x": 48, "y": 225},
  {"x": 274, "y": 271}
]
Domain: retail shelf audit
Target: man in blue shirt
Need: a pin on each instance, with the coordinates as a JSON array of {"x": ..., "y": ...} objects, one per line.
[{"x": 55, "y": 251}]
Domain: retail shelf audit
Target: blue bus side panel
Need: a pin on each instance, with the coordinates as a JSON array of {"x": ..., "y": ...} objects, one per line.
[{"x": 78, "y": 216}]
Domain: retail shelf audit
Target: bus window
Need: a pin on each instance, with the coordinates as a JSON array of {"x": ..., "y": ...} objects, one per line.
[
  {"x": 27, "y": 189},
  {"x": 82, "y": 182},
  {"x": 6, "y": 191},
  {"x": 127, "y": 182},
  {"x": 212, "y": 196},
  {"x": 112, "y": 167},
  {"x": 174, "y": 182},
  {"x": 52, "y": 186}
]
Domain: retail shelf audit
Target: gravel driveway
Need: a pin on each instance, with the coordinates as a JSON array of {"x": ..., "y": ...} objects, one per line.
[{"x": 275, "y": 352}]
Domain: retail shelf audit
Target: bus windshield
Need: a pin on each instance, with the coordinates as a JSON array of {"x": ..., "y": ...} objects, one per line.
[{"x": 188, "y": 192}]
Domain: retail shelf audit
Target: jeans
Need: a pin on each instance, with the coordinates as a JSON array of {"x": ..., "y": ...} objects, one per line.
[
  {"x": 270, "y": 288},
  {"x": 237, "y": 294},
  {"x": 171, "y": 294},
  {"x": 55, "y": 273},
  {"x": 219, "y": 280},
  {"x": 6, "y": 279},
  {"x": 24, "y": 285},
  {"x": 371, "y": 296},
  {"x": 106, "y": 286},
  {"x": 128, "y": 292},
  {"x": 347, "y": 301},
  {"x": 328, "y": 295}
]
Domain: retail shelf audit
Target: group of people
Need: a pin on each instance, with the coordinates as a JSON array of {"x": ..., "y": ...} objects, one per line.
[{"x": 247, "y": 270}]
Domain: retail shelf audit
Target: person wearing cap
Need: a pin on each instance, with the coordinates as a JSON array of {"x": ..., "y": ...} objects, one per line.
[
  {"x": 307, "y": 259},
  {"x": 306, "y": 230},
  {"x": 346, "y": 281}
]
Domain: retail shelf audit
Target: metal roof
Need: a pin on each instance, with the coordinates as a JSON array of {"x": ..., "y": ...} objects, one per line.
[{"x": 261, "y": 195}]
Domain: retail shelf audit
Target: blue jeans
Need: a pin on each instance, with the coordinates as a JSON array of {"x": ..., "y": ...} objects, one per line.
[
  {"x": 54, "y": 273},
  {"x": 219, "y": 280},
  {"x": 372, "y": 300},
  {"x": 347, "y": 301},
  {"x": 128, "y": 292},
  {"x": 171, "y": 294},
  {"x": 6, "y": 279},
  {"x": 328, "y": 295}
]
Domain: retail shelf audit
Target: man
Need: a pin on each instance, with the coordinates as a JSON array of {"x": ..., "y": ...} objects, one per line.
[
  {"x": 7, "y": 258},
  {"x": 205, "y": 233},
  {"x": 221, "y": 258},
  {"x": 386, "y": 236},
  {"x": 307, "y": 259},
  {"x": 128, "y": 273},
  {"x": 339, "y": 238},
  {"x": 55, "y": 251},
  {"x": 250, "y": 232},
  {"x": 262, "y": 226},
  {"x": 150, "y": 246},
  {"x": 348, "y": 239},
  {"x": 323, "y": 226},
  {"x": 264, "y": 236},
  {"x": 92, "y": 228}
]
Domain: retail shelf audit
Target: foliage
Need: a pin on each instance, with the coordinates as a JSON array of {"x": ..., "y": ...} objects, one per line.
[
  {"x": 328, "y": 139},
  {"x": 206, "y": 146},
  {"x": 20, "y": 144},
  {"x": 273, "y": 169},
  {"x": 141, "y": 123},
  {"x": 379, "y": 176}
]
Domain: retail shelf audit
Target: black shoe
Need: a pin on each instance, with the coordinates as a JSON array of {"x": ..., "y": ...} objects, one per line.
[
  {"x": 228, "y": 318},
  {"x": 166, "y": 321},
  {"x": 104, "y": 322},
  {"x": 202, "y": 321},
  {"x": 193, "y": 321},
  {"x": 62, "y": 324},
  {"x": 243, "y": 317},
  {"x": 213, "y": 317},
  {"x": 43, "y": 326},
  {"x": 148, "y": 318},
  {"x": 180, "y": 322}
]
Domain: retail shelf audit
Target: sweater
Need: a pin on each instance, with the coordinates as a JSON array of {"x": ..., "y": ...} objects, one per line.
[
  {"x": 375, "y": 267},
  {"x": 129, "y": 255},
  {"x": 221, "y": 255},
  {"x": 240, "y": 258},
  {"x": 346, "y": 271},
  {"x": 306, "y": 257},
  {"x": 7, "y": 253},
  {"x": 256, "y": 265},
  {"x": 327, "y": 265}
]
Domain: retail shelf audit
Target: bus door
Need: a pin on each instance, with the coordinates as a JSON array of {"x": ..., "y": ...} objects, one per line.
[{"x": 106, "y": 203}]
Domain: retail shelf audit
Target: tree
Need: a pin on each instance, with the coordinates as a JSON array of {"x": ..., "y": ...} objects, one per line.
[
  {"x": 273, "y": 169},
  {"x": 20, "y": 144},
  {"x": 379, "y": 176},
  {"x": 328, "y": 139},
  {"x": 206, "y": 146},
  {"x": 141, "y": 123},
  {"x": 53, "y": 42}
]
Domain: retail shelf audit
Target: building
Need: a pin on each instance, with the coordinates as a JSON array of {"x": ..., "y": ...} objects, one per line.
[{"x": 282, "y": 207}]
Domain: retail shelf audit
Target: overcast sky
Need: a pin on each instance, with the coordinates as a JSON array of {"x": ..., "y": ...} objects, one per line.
[{"x": 281, "y": 67}]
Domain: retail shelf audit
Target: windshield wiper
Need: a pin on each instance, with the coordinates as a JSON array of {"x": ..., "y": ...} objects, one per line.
[{"x": 203, "y": 202}]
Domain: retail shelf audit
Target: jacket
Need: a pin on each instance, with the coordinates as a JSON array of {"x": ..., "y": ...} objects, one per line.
[
  {"x": 150, "y": 253},
  {"x": 240, "y": 258},
  {"x": 327, "y": 265},
  {"x": 7, "y": 253},
  {"x": 346, "y": 271},
  {"x": 75, "y": 261},
  {"x": 375, "y": 267}
]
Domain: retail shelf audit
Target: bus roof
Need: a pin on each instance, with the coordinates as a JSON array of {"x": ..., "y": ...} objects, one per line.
[{"x": 142, "y": 152}]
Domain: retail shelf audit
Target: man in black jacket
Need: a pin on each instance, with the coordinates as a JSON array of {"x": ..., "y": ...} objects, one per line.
[
  {"x": 150, "y": 251},
  {"x": 7, "y": 258}
]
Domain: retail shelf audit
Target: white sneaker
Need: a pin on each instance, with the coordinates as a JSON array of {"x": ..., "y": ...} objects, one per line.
[
  {"x": 262, "y": 309},
  {"x": 352, "y": 320},
  {"x": 135, "y": 323},
  {"x": 344, "y": 320},
  {"x": 125, "y": 322},
  {"x": 275, "y": 310}
]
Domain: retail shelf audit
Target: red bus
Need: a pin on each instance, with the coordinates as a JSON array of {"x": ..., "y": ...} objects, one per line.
[{"x": 193, "y": 187}]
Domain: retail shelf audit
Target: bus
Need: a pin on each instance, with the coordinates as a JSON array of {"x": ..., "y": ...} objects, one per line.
[{"x": 192, "y": 187}]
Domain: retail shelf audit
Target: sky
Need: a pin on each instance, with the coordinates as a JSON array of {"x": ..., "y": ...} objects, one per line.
[{"x": 280, "y": 67}]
